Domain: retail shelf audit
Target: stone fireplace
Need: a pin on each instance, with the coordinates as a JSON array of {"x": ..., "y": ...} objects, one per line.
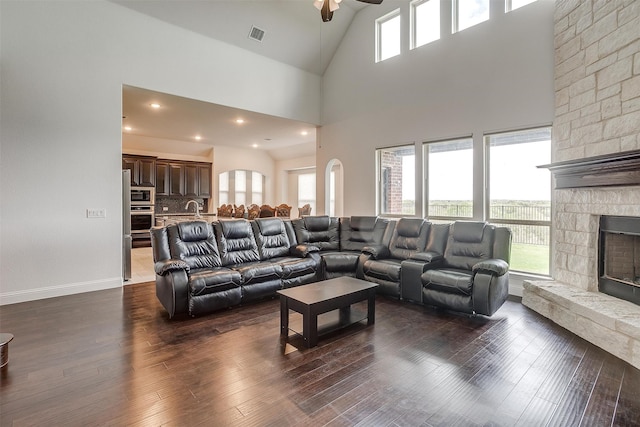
[{"x": 597, "y": 113}]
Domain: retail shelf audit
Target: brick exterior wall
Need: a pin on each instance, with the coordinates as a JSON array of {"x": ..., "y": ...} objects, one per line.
[{"x": 392, "y": 162}]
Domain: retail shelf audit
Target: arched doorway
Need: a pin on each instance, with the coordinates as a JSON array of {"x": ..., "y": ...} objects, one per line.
[{"x": 333, "y": 184}]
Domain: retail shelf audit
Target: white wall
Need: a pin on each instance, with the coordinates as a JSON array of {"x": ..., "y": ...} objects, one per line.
[
  {"x": 63, "y": 67},
  {"x": 497, "y": 75}
]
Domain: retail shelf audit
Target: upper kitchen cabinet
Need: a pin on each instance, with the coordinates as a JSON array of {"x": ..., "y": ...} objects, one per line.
[
  {"x": 179, "y": 178},
  {"x": 143, "y": 170}
]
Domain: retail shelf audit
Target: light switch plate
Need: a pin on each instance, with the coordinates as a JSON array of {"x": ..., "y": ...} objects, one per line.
[{"x": 96, "y": 213}]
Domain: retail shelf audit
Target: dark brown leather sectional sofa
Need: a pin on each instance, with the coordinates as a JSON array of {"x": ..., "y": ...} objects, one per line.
[{"x": 202, "y": 267}]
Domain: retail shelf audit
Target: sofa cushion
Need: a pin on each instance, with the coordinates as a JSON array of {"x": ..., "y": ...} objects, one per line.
[
  {"x": 341, "y": 261},
  {"x": 271, "y": 238},
  {"x": 320, "y": 231},
  {"x": 254, "y": 272},
  {"x": 236, "y": 242},
  {"x": 409, "y": 237},
  {"x": 194, "y": 242},
  {"x": 295, "y": 267},
  {"x": 207, "y": 281},
  {"x": 357, "y": 232},
  {"x": 449, "y": 280},
  {"x": 384, "y": 269},
  {"x": 475, "y": 246}
]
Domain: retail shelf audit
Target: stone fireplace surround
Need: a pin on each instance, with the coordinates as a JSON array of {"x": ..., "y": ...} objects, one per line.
[
  {"x": 597, "y": 112},
  {"x": 572, "y": 299}
]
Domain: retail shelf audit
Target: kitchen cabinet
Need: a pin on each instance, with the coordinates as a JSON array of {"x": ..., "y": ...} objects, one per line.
[
  {"x": 143, "y": 170},
  {"x": 176, "y": 179},
  {"x": 183, "y": 179},
  {"x": 162, "y": 178}
]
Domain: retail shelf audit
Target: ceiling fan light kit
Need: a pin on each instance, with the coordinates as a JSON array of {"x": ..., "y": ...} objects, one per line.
[{"x": 326, "y": 7}]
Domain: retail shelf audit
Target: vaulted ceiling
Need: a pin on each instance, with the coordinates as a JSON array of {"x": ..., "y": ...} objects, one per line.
[
  {"x": 294, "y": 31},
  {"x": 294, "y": 34}
]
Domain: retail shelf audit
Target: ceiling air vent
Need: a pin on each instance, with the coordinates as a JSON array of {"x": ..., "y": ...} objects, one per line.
[{"x": 256, "y": 34}]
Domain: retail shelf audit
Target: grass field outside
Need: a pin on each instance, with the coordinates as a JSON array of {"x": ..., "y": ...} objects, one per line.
[{"x": 530, "y": 258}]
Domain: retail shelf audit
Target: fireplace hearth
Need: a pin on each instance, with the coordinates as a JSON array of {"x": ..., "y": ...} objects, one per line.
[{"x": 619, "y": 257}]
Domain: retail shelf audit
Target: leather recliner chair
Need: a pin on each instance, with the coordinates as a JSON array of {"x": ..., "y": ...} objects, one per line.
[
  {"x": 356, "y": 233},
  {"x": 473, "y": 276},
  {"x": 382, "y": 264}
]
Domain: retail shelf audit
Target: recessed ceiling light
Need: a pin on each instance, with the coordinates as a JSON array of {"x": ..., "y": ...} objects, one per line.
[
  {"x": 127, "y": 128},
  {"x": 239, "y": 121},
  {"x": 155, "y": 105},
  {"x": 198, "y": 137},
  {"x": 304, "y": 133},
  {"x": 254, "y": 145}
]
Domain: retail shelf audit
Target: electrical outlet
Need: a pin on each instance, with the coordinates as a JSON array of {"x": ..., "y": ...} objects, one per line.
[
  {"x": 96, "y": 213},
  {"x": 165, "y": 209}
]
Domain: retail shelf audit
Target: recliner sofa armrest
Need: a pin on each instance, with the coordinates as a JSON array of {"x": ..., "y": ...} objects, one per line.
[
  {"x": 303, "y": 251},
  {"x": 493, "y": 266},
  {"x": 377, "y": 251},
  {"x": 427, "y": 256},
  {"x": 164, "y": 267}
]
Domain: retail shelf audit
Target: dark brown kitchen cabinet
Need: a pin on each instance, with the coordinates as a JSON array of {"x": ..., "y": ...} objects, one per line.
[
  {"x": 162, "y": 179},
  {"x": 176, "y": 179},
  {"x": 204, "y": 181},
  {"x": 183, "y": 179},
  {"x": 143, "y": 170}
]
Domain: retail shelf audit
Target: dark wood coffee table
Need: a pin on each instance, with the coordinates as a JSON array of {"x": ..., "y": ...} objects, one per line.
[{"x": 324, "y": 297}]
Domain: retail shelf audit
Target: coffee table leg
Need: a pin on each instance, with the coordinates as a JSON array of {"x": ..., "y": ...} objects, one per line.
[
  {"x": 371, "y": 308},
  {"x": 284, "y": 315},
  {"x": 310, "y": 328}
]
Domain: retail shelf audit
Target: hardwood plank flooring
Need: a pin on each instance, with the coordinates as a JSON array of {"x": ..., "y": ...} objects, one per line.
[{"x": 114, "y": 358}]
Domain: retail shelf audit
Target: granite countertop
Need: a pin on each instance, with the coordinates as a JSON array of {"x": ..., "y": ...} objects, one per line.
[
  {"x": 161, "y": 214},
  {"x": 167, "y": 218}
]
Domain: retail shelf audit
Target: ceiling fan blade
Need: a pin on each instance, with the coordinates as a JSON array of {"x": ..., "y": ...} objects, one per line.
[
  {"x": 371, "y": 1},
  {"x": 326, "y": 12}
]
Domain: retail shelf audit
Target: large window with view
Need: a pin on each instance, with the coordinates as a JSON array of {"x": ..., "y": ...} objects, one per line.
[
  {"x": 388, "y": 36},
  {"x": 449, "y": 170},
  {"x": 467, "y": 13},
  {"x": 425, "y": 22},
  {"x": 520, "y": 194},
  {"x": 396, "y": 180}
]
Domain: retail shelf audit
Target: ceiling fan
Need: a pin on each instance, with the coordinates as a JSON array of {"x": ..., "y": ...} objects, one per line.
[{"x": 326, "y": 7}]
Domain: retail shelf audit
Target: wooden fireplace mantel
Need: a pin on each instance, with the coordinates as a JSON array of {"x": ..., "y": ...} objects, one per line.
[{"x": 617, "y": 169}]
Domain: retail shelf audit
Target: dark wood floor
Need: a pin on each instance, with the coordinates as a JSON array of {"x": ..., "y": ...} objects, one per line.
[{"x": 113, "y": 358}]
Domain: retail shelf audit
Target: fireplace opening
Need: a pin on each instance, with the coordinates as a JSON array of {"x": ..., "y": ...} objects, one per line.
[{"x": 619, "y": 257}]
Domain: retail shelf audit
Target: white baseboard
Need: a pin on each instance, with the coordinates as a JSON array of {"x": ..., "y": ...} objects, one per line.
[{"x": 15, "y": 297}]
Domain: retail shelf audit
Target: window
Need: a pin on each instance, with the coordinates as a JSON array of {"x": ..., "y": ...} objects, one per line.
[
  {"x": 425, "y": 22},
  {"x": 467, "y": 13},
  {"x": 514, "y": 4},
  {"x": 449, "y": 170},
  {"x": 234, "y": 187},
  {"x": 256, "y": 188},
  {"x": 307, "y": 190},
  {"x": 396, "y": 180},
  {"x": 223, "y": 188},
  {"x": 241, "y": 187},
  {"x": 388, "y": 36},
  {"x": 520, "y": 194}
]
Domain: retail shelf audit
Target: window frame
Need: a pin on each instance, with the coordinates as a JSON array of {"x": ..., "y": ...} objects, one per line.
[
  {"x": 380, "y": 185},
  {"x": 515, "y": 222},
  {"x": 378, "y": 34},
  {"x": 455, "y": 11},
  {"x": 413, "y": 24},
  {"x": 231, "y": 190}
]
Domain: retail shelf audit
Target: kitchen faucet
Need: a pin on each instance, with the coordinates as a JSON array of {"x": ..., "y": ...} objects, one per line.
[{"x": 197, "y": 207}]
